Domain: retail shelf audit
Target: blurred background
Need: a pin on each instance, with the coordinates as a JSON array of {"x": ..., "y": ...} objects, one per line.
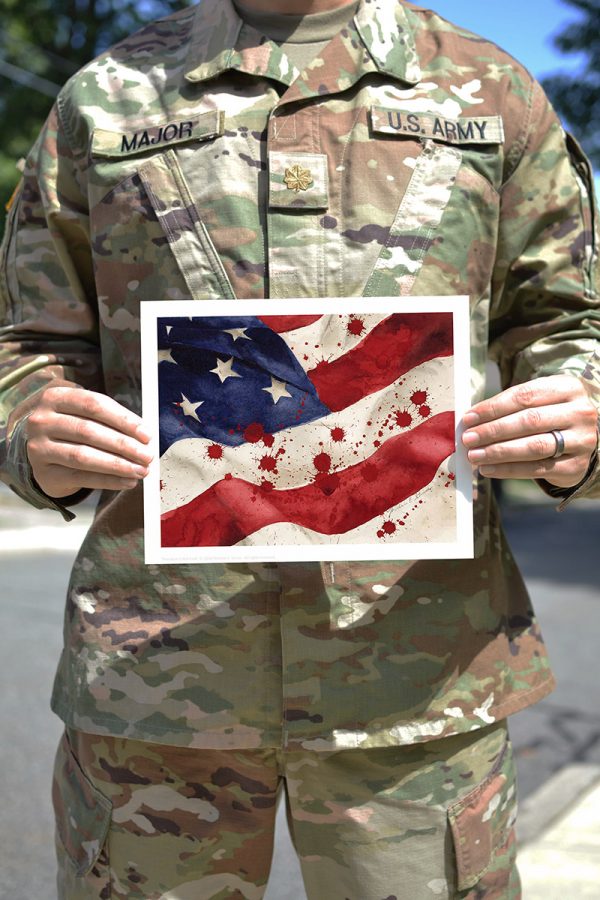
[{"x": 42, "y": 42}]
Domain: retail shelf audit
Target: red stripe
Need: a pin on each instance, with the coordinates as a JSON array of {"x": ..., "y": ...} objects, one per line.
[
  {"x": 230, "y": 510},
  {"x": 393, "y": 347},
  {"x": 280, "y": 324}
]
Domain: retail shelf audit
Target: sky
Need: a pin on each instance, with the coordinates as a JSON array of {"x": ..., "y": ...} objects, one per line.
[{"x": 522, "y": 27}]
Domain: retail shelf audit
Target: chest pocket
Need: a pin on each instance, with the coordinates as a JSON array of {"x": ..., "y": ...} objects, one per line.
[
  {"x": 148, "y": 240},
  {"x": 453, "y": 180}
]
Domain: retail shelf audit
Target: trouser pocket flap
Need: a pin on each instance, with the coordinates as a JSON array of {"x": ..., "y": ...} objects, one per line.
[
  {"x": 481, "y": 821},
  {"x": 82, "y": 812}
]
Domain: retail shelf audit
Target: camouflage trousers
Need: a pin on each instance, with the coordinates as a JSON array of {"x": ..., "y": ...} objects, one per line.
[{"x": 422, "y": 822}]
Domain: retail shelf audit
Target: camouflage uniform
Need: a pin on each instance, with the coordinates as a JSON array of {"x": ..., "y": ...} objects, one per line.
[{"x": 437, "y": 167}]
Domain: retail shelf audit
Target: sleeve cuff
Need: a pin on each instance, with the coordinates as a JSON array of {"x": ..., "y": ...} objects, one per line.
[{"x": 21, "y": 481}]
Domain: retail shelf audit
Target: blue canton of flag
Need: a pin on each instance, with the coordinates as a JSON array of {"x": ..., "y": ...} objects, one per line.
[{"x": 220, "y": 375}]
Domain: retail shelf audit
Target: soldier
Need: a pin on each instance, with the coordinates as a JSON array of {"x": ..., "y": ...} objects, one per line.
[{"x": 191, "y": 693}]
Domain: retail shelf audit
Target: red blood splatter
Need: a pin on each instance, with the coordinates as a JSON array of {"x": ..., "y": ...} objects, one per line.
[
  {"x": 419, "y": 397},
  {"x": 451, "y": 476},
  {"x": 380, "y": 534},
  {"x": 355, "y": 326},
  {"x": 322, "y": 462},
  {"x": 268, "y": 440},
  {"x": 215, "y": 451},
  {"x": 268, "y": 463},
  {"x": 267, "y": 485},
  {"x": 401, "y": 523},
  {"x": 337, "y": 434},
  {"x": 403, "y": 418},
  {"x": 228, "y": 476},
  {"x": 328, "y": 483},
  {"x": 389, "y": 527},
  {"x": 254, "y": 433},
  {"x": 377, "y": 443},
  {"x": 162, "y": 485},
  {"x": 424, "y": 411}
]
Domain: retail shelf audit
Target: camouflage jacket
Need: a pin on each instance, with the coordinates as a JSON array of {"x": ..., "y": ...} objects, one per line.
[{"x": 437, "y": 167}]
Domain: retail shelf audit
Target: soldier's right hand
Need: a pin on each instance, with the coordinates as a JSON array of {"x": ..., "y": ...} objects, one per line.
[{"x": 81, "y": 439}]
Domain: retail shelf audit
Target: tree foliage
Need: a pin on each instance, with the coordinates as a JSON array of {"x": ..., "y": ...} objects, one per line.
[
  {"x": 42, "y": 43},
  {"x": 577, "y": 97}
]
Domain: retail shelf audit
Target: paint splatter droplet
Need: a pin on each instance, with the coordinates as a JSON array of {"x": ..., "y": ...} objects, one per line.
[
  {"x": 337, "y": 434},
  {"x": 356, "y": 326},
  {"x": 215, "y": 451},
  {"x": 389, "y": 527},
  {"x": 419, "y": 397},
  {"x": 403, "y": 418},
  {"x": 424, "y": 411},
  {"x": 268, "y": 464},
  {"x": 254, "y": 433},
  {"x": 322, "y": 462}
]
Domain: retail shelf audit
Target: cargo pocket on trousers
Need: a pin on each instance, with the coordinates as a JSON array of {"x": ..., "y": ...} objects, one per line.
[
  {"x": 81, "y": 812},
  {"x": 482, "y": 821}
]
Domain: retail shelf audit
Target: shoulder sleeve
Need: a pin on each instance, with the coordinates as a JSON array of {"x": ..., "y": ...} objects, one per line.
[
  {"x": 48, "y": 308},
  {"x": 545, "y": 312}
]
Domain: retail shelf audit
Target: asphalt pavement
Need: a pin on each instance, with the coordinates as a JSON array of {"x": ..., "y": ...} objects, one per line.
[{"x": 557, "y": 742}]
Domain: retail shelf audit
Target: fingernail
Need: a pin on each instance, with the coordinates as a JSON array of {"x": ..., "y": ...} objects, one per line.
[
  {"x": 128, "y": 483},
  {"x": 487, "y": 470},
  {"x": 475, "y": 456},
  {"x": 470, "y": 419},
  {"x": 140, "y": 470},
  {"x": 471, "y": 438}
]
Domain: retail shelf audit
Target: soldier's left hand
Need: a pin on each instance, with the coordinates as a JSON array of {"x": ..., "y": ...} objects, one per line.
[{"x": 510, "y": 435}]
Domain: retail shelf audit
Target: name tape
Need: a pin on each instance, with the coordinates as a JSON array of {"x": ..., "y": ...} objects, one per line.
[
  {"x": 117, "y": 144},
  {"x": 470, "y": 130}
]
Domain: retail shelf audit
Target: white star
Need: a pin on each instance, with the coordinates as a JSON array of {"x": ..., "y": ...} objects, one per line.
[
  {"x": 165, "y": 356},
  {"x": 189, "y": 408},
  {"x": 277, "y": 389},
  {"x": 237, "y": 333},
  {"x": 168, "y": 329},
  {"x": 224, "y": 370}
]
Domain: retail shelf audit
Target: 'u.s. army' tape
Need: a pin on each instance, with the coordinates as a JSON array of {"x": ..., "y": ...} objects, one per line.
[{"x": 467, "y": 130}]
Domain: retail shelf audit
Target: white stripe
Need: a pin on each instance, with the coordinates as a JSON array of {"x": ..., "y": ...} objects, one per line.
[
  {"x": 187, "y": 471},
  {"x": 433, "y": 519},
  {"x": 311, "y": 345}
]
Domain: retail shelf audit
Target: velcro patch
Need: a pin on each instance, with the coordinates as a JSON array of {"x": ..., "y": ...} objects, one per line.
[
  {"x": 118, "y": 143},
  {"x": 467, "y": 130}
]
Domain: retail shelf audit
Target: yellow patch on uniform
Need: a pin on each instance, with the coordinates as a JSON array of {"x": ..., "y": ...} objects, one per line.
[
  {"x": 298, "y": 179},
  {"x": 13, "y": 196}
]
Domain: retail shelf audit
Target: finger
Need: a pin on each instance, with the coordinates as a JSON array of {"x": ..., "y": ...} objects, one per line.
[
  {"x": 68, "y": 429},
  {"x": 554, "y": 389},
  {"x": 99, "y": 408},
  {"x": 537, "y": 421},
  {"x": 85, "y": 460},
  {"x": 563, "y": 472},
  {"x": 59, "y": 482},
  {"x": 542, "y": 446}
]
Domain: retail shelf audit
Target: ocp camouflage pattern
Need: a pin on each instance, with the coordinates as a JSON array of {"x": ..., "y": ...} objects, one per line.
[
  {"x": 432, "y": 820},
  {"x": 436, "y": 167}
]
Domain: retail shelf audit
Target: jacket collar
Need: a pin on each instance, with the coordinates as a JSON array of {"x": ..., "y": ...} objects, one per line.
[{"x": 383, "y": 26}]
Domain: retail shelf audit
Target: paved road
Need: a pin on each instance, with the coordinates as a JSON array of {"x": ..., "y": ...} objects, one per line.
[{"x": 560, "y": 555}]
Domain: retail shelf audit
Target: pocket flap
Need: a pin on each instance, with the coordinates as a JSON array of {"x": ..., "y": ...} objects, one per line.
[
  {"x": 482, "y": 820},
  {"x": 82, "y": 813}
]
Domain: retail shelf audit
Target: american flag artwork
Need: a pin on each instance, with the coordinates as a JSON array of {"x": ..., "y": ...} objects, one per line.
[{"x": 306, "y": 429}]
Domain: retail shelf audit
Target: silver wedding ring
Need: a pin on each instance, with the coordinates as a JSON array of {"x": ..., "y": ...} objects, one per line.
[{"x": 560, "y": 444}]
